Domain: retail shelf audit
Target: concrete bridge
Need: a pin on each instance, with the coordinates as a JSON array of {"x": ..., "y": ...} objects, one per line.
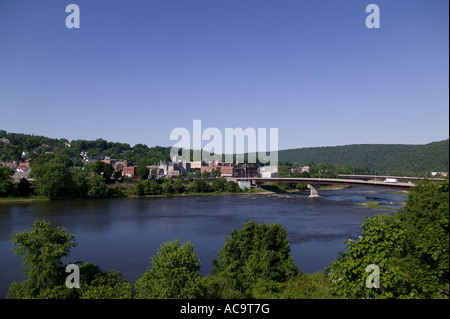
[
  {"x": 383, "y": 177},
  {"x": 313, "y": 183}
]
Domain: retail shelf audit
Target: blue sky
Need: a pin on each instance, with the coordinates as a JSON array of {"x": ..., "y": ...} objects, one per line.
[{"x": 135, "y": 70}]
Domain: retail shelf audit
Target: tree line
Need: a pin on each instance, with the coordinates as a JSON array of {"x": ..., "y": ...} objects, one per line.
[
  {"x": 389, "y": 159},
  {"x": 380, "y": 159},
  {"x": 410, "y": 248}
]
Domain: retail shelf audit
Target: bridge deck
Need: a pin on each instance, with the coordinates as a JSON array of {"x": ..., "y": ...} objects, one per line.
[{"x": 329, "y": 181}]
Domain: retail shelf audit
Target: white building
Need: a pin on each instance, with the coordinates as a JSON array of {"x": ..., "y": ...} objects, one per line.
[{"x": 268, "y": 171}]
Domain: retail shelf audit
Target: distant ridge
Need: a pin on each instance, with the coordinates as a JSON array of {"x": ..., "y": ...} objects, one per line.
[
  {"x": 402, "y": 159},
  {"x": 394, "y": 159}
]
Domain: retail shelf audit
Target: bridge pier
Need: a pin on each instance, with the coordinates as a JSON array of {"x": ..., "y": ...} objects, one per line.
[{"x": 314, "y": 192}]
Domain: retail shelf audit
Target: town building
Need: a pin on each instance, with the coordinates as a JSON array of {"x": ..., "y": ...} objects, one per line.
[
  {"x": 130, "y": 171},
  {"x": 268, "y": 171}
]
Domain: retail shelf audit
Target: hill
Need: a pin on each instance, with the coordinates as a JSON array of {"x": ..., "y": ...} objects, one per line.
[{"x": 396, "y": 159}]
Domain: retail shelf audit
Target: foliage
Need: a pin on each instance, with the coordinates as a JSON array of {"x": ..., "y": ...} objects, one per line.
[
  {"x": 394, "y": 159},
  {"x": 103, "y": 169},
  {"x": 98, "y": 284},
  {"x": 411, "y": 249},
  {"x": 53, "y": 180},
  {"x": 142, "y": 171},
  {"x": 41, "y": 250},
  {"x": 6, "y": 185},
  {"x": 256, "y": 252},
  {"x": 199, "y": 186},
  {"x": 23, "y": 187},
  {"x": 174, "y": 274},
  {"x": 96, "y": 186}
]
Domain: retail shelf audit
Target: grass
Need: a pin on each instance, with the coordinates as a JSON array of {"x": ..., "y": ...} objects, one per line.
[
  {"x": 375, "y": 205},
  {"x": 399, "y": 192},
  {"x": 10, "y": 199}
]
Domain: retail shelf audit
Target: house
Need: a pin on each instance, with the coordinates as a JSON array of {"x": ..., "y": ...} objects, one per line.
[
  {"x": 4, "y": 140},
  {"x": 443, "y": 174},
  {"x": 119, "y": 165},
  {"x": 130, "y": 171},
  {"x": 154, "y": 172},
  {"x": 170, "y": 168},
  {"x": 24, "y": 166},
  {"x": 268, "y": 171},
  {"x": 304, "y": 169}
]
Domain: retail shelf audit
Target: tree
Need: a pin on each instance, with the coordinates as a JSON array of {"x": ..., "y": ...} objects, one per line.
[
  {"x": 410, "y": 249},
  {"x": 24, "y": 187},
  {"x": 256, "y": 252},
  {"x": 53, "y": 180},
  {"x": 166, "y": 188},
  {"x": 218, "y": 184},
  {"x": 178, "y": 187},
  {"x": 98, "y": 284},
  {"x": 142, "y": 171},
  {"x": 96, "y": 186},
  {"x": 101, "y": 168},
  {"x": 199, "y": 186},
  {"x": 174, "y": 274},
  {"x": 206, "y": 174},
  {"x": 41, "y": 249},
  {"x": 232, "y": 187},
  {"x": 79, "y": 182},
  {"x": 5, "y": 181}
]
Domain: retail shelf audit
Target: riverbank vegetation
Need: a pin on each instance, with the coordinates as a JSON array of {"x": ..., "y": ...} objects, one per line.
[
  {"x": 409, "y": 249},
  {"x": 58, "y": 176}
]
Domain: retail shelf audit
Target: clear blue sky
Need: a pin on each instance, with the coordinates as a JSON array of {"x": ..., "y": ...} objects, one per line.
[{"x": 135, "y": 70}]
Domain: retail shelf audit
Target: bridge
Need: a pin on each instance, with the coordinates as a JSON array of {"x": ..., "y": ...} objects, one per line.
[
  {"x": 313, "y": 183},
  {"x": 384, "y": 177}
]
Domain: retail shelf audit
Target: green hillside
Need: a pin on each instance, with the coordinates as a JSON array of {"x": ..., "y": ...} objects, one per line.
[{"x": 395, "y": 159}]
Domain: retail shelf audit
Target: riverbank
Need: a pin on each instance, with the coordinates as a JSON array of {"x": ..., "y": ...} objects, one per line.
[{"x": 122, "y": 193}]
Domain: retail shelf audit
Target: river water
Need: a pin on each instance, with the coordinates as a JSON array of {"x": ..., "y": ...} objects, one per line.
[{"x": 123, "y": 234}]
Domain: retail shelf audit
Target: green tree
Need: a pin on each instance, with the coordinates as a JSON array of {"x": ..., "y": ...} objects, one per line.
[
  {"x": 6, "y": 185},
  {"x": 79, "y": 182},
  {"x": 174, "y": 274},
  {"x": 24, "y": 187},
  {"x": 178, "y": 187},
  {"x": 199, "y": 186},
  {"x": 218, "y": 184},
  {"x": 142, "y": 171},
  {"x": 96, "y": 186},
  {"x": 410, "y": 248},
  {"x": 101, "y": 168},
  {"x": 98, "y": 284},
  {"x": 154, "y": 188},
  {"x": 41, "y": 249},
  {"x": 53, "y": 180},
  {"x": 232, "y": 187},
  {"x": 256, "y": 252},
  {"x": 166, "y": 188},
  {"x": 206, "y": 174}
]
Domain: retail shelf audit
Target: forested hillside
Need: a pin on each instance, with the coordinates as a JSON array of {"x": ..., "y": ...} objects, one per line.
[
  {"x": 391, "y": 159},
  {"x": 394, "y": 159},
  {"x": 14, "y": 144}
]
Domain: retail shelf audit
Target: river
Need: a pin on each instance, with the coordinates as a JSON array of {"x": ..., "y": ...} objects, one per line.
[{"x": 123, "y": 234}]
